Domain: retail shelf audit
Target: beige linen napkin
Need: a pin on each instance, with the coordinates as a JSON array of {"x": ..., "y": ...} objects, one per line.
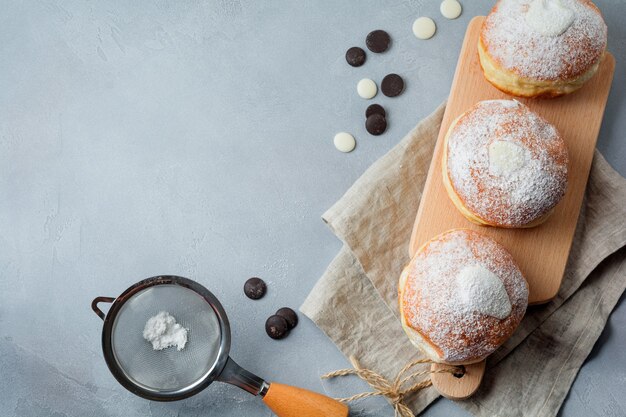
[{"x": 355, "y": 301}]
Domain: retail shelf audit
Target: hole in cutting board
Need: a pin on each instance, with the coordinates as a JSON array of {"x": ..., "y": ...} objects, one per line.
[{"x": 460, "y": 372}]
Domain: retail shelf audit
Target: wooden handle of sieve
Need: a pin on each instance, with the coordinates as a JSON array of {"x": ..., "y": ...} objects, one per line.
[{"x": 287, "y": 401}]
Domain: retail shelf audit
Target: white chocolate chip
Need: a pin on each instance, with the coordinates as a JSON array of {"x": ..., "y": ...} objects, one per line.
[
  {"x": 366, "y": 88},
  {"x": 424, "y": 28},
  {"x": 450, "y": 9},
  {"x": 344, "y": 142}
]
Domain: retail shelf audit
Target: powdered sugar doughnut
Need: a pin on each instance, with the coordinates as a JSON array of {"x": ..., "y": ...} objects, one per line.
[
  {"x": 542, "y": 48},
  {"x": 503, "y": 165},
  {"x": 461, "y": 297}
]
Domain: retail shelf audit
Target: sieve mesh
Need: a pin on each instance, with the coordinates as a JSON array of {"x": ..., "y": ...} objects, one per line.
[{"x": 167, "y": 370}]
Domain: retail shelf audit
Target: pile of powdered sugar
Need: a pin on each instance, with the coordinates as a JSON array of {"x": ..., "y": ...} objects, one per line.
[
  {"x": 458, "y": 315},
  {"x": 163, "y": 331},
  {"x": 525, "y": 51},
  {"x": 507, "y": 196}
]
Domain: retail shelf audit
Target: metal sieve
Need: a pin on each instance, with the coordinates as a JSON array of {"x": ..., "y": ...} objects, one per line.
[{"x": 169, "y": 374}]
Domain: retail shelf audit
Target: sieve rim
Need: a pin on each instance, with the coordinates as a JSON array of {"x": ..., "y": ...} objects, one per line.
[{"x": 172, "y": 395}]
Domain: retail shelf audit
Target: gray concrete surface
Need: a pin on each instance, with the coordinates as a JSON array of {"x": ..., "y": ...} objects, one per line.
[{"x": 195, "y": 138}]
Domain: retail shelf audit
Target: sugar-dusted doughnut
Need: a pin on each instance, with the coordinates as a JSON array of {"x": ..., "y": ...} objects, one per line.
[
  {"x": 541, "y": 48},
  {"x": 461, "y": 297},
  {"x": 503, "y": 165}
]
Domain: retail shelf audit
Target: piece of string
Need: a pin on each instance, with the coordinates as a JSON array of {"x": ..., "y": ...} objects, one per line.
[{"x": 394, "y": 390}]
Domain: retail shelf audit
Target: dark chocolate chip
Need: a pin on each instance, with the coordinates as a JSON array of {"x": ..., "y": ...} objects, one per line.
[
  {"x": 392, "y": 85},
  {"x": 355, "y": 56},
  {"x": 254, "y": 288},
  {"x": 375, "y": 109},
  {"x": 377, "y": 41},
  {"x": 276, "y": 327},
  {"x": 376, "y": 124},
  {"x": 289, "y": 315}
]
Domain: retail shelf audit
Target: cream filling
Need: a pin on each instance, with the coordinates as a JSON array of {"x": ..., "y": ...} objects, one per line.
[
  {"x": 481, "y": 291},
  {"x": 505, "y": 158},
  {"x": 549, "y": 17}
]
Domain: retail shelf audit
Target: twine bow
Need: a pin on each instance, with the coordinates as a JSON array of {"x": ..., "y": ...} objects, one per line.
[{"x": 394, "y": 391}]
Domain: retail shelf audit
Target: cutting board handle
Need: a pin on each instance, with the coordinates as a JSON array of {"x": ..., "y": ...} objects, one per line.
[{"x": 457, "y": 386}]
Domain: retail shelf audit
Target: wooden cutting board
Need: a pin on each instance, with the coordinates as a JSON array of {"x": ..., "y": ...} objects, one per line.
[{"x": 540, "y": 252}]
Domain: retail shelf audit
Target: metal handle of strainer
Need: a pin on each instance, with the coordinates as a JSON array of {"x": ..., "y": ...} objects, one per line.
[
  {"x": 96, "y": 301},
  {"x": 235, "y": 375}
]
